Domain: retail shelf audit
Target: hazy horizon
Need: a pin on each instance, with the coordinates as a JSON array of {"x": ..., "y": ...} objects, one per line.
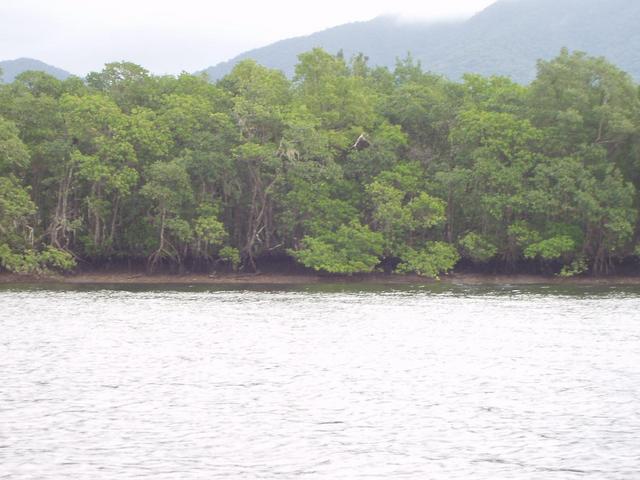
[{"x": 81, "y": 37}]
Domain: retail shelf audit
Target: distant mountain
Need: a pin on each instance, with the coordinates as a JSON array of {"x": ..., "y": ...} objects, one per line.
[
  {"x": 12, "y": 68},
  {"x": 507, "y": 38}
]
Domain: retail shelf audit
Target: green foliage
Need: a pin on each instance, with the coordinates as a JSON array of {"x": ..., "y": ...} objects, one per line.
[
  {"x": 402, "y": 211},
  {"x": 431, "y": 261},
  {"x": 56, "y": 259},
  {"x": 17, "y": 262},
  {"x": 15, "y": 205},
  {"x": 577, "y": 267},
  {"x": 426, "y": 211},
  {"x": 551, "y": 249},
  {"x": 477, "y": 248},
  {"x": 353, "y": 248},
  {"x": 31, "y": 262},
  {"x": 210, "y": 230},
  {"x": 168, "y": 185},
  {"x": 523, "y": 234},
  {"x": 329, "y": 91},
  {"x": 231, "y": 256},
  {"x": 345, "y": 167},
  {"x": 13, "y": 153}
]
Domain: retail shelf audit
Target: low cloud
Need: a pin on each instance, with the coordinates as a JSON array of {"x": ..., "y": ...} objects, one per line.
[{"x": 170, "y": 36}]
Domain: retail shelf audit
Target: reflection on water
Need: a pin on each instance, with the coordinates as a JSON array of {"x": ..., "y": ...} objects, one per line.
[{"x": 320, "y": 382}]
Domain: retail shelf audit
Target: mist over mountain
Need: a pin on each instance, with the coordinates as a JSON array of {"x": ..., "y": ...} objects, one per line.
[
  {"x": 506, "y": 38},
  {"x": 12, "y": 68}
]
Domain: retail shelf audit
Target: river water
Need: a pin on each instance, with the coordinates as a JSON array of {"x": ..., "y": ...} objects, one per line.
[{"x": 334, "y": 382}]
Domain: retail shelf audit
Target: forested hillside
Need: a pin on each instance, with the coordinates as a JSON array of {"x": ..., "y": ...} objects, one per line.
[
  {"x": 10, "y": 69},
  {"x": 505, "y": 39},
  {"x": 344, "y": 169}
]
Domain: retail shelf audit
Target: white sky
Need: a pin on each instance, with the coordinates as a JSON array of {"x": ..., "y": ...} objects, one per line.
[{"x": 170, "y": 36}]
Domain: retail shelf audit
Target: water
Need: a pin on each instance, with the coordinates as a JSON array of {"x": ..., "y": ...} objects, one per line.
[{"x": 320, "y": 382}]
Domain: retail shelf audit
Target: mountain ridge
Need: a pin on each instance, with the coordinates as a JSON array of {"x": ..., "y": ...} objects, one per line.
[
  {"x": 506, "y": 38},
  {"x": 12, "y": 68}
]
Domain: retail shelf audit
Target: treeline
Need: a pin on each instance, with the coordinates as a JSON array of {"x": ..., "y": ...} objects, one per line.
[{"x": 345, "y": 168}]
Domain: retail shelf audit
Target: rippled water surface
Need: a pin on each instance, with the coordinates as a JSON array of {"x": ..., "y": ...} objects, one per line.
[{"x": 320, "y": 382}]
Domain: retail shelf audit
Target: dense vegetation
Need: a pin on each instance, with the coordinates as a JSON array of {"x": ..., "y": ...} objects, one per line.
[
  {"x": 504, "y": 39},
  {"x": 345, "y": 169}
]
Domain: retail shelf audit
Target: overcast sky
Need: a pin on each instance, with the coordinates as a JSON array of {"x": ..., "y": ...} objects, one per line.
[{"x": 170, "y": 36}]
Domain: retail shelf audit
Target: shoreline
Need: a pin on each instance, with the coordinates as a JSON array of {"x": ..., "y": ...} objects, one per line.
[{"x": 120, "y": 278}]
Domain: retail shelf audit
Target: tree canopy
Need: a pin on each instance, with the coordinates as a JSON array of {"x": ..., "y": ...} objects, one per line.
[{"x": 343, "y": 169}]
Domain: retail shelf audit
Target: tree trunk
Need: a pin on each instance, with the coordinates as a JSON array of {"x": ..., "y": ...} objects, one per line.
[{"x": 157, "y": 255}]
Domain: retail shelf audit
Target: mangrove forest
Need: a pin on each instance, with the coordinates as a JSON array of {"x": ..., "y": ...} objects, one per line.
[{"x": 343, "y": 168}]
